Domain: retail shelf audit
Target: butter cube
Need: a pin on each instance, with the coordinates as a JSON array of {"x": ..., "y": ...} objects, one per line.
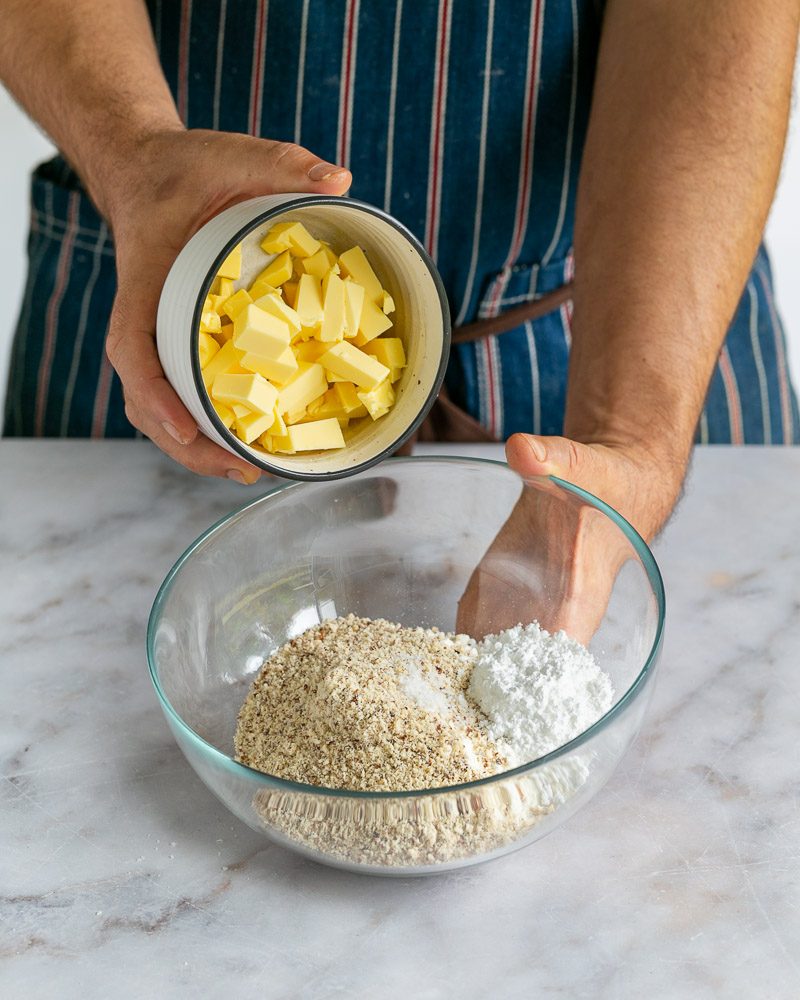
[
  {"x": 226, "y": 359},
  {"x": 278, "y": 271},
  {"x": 231, "y": 267},
  {"x": 333, "y": 317},
  {"x": 347, "y": 361},
  {"x": 207, "y": 347},
  {"x": 260, "y": 288},
  {"x": 327, "y": 405},
  {"x": 278, "y": 369},
  {"x": 225, "y": 333},
  {"x": 355, "y": 264},
  {"x": 278, "y": 428},
  {"x": 253, "y": 425},
  {"x": 276, "y": 240},
  {"x": 234, "y": 305},
  {"x": 310, "y": 350},
  {"x": 309, "y": 301},
  {"x": 224, "y": 288},
  {"x": 281, "y": 445},
  {"x": 372, "y": 324},
  {"x": 348, "y": 400},
  {"x": 353, "y": 304},
  {"x": 225, "y": 414},
  {"x": 250, "y": 390},
  {"x": 302, "y": 243},
  {"x": 240, "y": 410},
  {"x": 275, "y": 305},
  {"x": 210, "y": 323},
  {"x": 388, "y": 350},
  {"x": 318, "y": 435},
  {"x": 379, "y": 400},
  {"x": 259, "y": 332},
  {"x": 305, "y": 385},
  {"x": 388, "y": 303},
  {"x": 330, "y": 255},
  {"x": 396, "y": 375},
  {"x": 289, "y": 289},
  {"x": 318, "y": 264}
]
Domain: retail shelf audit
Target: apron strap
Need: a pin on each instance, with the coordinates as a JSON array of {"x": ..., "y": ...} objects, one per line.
[{"x": 448, "y": 421}]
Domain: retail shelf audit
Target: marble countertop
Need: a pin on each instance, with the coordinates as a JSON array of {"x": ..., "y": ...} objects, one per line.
[{"x": 121, "y": 875}]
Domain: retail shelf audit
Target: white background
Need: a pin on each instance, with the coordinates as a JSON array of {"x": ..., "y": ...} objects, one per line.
[{"x": 24, "y": 147}]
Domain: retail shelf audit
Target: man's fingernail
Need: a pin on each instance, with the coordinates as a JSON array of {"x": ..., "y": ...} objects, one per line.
[
  {"x": 173, "y": 432},
  {"x": 324, "y": 171},
  {"x": 538, "y": 449},
  {"x": 245, "y": 479}
]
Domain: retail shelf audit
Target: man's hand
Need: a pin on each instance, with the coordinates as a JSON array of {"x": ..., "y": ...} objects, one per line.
[
  {"x": 556, "y": 561},
  {"x": 177, "y": 182}
]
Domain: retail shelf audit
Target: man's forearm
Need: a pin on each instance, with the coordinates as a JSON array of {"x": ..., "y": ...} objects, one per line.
[
  {"x": 88, "y": 73},
  {"x": 684, "y": 147}
]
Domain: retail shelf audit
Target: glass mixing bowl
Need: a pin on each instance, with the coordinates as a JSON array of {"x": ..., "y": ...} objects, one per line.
[{"x": 424, "y": 542}]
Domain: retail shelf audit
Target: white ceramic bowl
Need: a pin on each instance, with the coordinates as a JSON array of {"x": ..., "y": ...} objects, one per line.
[{"x": 421, "y": 320}]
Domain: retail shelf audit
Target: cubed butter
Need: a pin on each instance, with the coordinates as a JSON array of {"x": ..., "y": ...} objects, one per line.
[
  {"x": 231, "y": 267},
  {"x": 301, "y": 242},
  {"x": 354, "y": 263},
  {"x": 226, "y": 359},
  {"x": 372, "y": 324},
  {"x": 259, "y": 288},
  {"x": 353, "y": 304},
  {"x": 306, "y": 384},
  {"x": 309, "y": 301},
  {"x": 276, "y": 240},
  {"x": 225, "y": 414},
  {"x": 278, "y": 271},
  {"x": 253, "y": 425},
  {"x": 275, "y": 305},
  {"x": 388, "y": 303},
  {"x": 309, "y": 350},
  {"x": 225, "y": 288},
  {"x": 210, "y": 322},
  {"x": 258, "y": 332},
  {"x": 317, "y": 435},
  {"x": 289, "y": 289},
  {"x": 348, "y": 400},
  {"x": 207, "y": 347},
  {"x": 236, "y": 303},
  {"x": 333, "y": 316},
  {"x": 388, "y": 350},
  {"x": 278, "y": 369},
  {"x": 253, "y": 391},
  {"x": 379, "y": 400},
  {"x": 317, "y": 264},
  {"x": 349, "y": 362}
]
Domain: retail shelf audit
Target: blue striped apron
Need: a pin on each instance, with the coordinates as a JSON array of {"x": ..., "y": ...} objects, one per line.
[{"x": 466, "y": 119}]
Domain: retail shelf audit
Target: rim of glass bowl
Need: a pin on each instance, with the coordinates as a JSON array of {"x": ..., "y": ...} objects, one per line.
[{"x": 242, "y": 770}]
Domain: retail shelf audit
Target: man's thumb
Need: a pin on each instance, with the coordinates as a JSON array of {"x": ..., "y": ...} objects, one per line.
[
  {"x": 534, "y": 455},
  {"x": 293, "y": 168}
]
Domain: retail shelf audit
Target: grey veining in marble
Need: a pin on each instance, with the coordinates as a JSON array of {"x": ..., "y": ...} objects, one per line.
[{"x": 121, "y": 875}]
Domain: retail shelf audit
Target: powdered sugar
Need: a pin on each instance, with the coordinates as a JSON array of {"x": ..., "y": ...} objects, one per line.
[{"x": 538, "y": 690}]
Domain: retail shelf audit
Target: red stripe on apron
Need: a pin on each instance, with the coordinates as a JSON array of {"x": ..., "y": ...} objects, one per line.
[
  {"x": 51, "y": 317},
  {"x": 102, "y": 397},
  {"x": 346, "y": 98},
  {"x": 183, "y": 59},
  {"x": 256, "y": 73},
  {"x": 440, "y": 76},
  {"x": 732, "y": 395},
  {"x": 780, "y": 354}
]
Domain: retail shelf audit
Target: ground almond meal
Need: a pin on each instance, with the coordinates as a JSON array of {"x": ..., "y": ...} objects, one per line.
[
  {"x": 368, "y": 705},
  {"x": 371, "y": 705}
]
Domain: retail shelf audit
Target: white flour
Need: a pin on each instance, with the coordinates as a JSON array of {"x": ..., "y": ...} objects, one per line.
[{"x": 538, "y": 690}]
